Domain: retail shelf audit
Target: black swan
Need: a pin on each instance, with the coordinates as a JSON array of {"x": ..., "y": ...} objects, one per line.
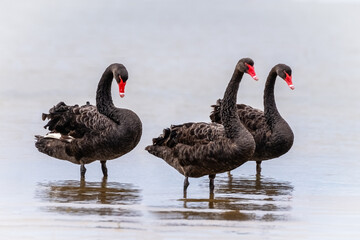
[
  {"x": 272, "y": 134},
  {"x": 198, "y": 149},
  {"x": 84, "y": 134}
]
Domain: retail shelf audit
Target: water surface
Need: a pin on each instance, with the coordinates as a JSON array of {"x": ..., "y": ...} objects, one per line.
[{"x": 180, "y": 56}]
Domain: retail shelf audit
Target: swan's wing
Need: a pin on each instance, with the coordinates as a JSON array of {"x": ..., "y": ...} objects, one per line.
[
  {"x": 252, "y": 118},
  {"x": 198, "y": 133},
  {"x": 75, "y": 121},
  {"x": 189, "y": 144},
  {"x": 196, "y": 149},
  {"x": 190, "y": 134}
]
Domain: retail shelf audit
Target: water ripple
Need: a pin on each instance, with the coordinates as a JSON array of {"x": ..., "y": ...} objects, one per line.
[
  {"x": 89, "y": 198},
  {"x": 237, "y": 199}
]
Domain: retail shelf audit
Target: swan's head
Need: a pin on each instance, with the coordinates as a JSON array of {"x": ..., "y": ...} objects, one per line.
[
  {"x": 246, "y": 65},
  {"x": 284, "y": 71},
  {"x": 121, "y": 76}
]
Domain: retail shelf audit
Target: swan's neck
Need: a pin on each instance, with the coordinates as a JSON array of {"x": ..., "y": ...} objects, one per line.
[
  {"x": 229, "y": 117},
  {"x": 272, "y": 114},
  {"x": 104, "y": 102}
]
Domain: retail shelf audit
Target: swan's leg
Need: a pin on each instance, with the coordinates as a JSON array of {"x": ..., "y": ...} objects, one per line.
[
  {"x": 211, "y": 185},
  {"x": 82, "y": 170},
  {"x": 258, "y": 167},
  {"x": 211, "y": 200},
  {"x": 186, "y": 184},
  {"x": 82, "y": 183},
  {"x": 104, "y": 168}
]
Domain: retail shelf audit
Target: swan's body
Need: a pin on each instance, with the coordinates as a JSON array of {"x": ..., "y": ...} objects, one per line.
[
  {"x": 83, "y": 134},
  {"x": 198, "y": 149},
  {"x": 272, "y": 134}
]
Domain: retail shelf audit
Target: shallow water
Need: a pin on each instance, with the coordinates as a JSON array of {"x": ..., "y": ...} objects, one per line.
[{"x": 180, "y": 56}]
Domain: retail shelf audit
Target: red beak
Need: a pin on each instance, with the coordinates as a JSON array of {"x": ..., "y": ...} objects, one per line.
[
  {"x": 288, "y": 80},
  {"x": 251, "y": 72},
  {"x": 122, "y": 88}
]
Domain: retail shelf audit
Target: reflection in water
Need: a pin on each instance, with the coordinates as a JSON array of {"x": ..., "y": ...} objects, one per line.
[
  {"x": 238, "y": 198},
  {"x": 90, "y": 198}
]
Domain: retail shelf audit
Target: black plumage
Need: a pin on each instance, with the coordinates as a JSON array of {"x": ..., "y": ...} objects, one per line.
[
  {"x": 198, "y": 149},
  {"x": 272, "y": 134},
  {"x": 83, "y": 134}
]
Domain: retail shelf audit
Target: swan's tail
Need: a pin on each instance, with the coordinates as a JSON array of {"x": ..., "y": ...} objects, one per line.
[
  {"x": 215, "y": 114},
  {"x": 59, "y": 118},
  {"x": 162, "y": 145},
  {"x": 167, "y": 138},
  {"x": 58, "y": 142},
  {"x": 66, "y": 119},
  {"x": 54, "y": 147}
]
